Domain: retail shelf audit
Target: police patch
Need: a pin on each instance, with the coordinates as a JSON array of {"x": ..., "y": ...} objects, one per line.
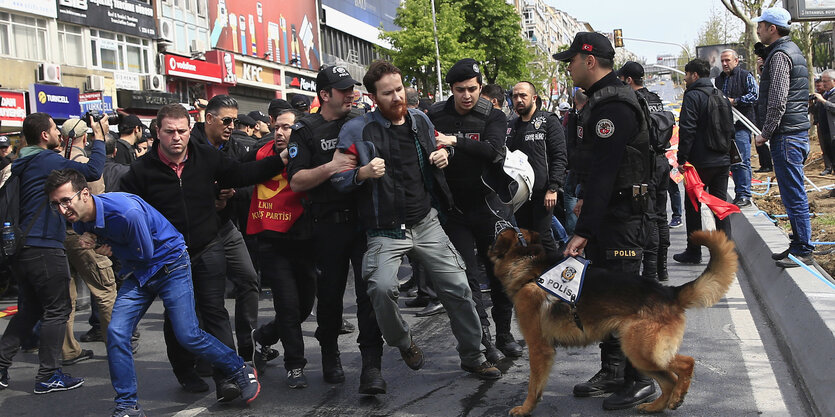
[
  {"x": 473, "y": 136},
  {"x": 568, "y": 274},
  {"x": 293, "y": 150},
  {"x": 605, "y": 128}
]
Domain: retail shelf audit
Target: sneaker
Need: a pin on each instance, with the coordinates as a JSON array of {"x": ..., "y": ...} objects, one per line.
[
  {"x": 413, "y": 356},
  {"x": 807, "y": 259},
  {"x": 296, "y": 378},
  {"x": 247, "y": 381},
  {"x": 226, "y": 390},
  {"x": 346, "y": 327},
  {"x": 92, "y": 335},
  {"x": 261, "y": 354},
  {"x": 688, "y": 257},
  {"x": 484, "y": 371},
  {"x": 135, "y": 411},
  {"x": 782, "y": 255},
  {"x": 83, "y": 356},
  {"x": 191, "y": 382},
  {"x": 59, "y": 381},
  {"x": 675, "y": 222},
  {"x": 4, "y": 378}
]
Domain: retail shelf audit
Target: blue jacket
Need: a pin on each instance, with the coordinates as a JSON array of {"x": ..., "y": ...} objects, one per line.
[
  {"x": 49, "y": 230},
  {"x": 142, "y": 238},
  {"x": 381, "y": 201}
]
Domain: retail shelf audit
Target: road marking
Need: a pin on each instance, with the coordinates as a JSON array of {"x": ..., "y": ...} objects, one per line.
[
  {"x": 767, "y": 395},
  {"x": 191, "y": 412}
]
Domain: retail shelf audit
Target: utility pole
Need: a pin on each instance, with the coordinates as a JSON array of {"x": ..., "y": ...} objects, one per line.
[{"x": 440, "y": 95}]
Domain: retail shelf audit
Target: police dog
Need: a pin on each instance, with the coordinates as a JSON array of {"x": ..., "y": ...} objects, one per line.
[{"x": 647, "y": 316}]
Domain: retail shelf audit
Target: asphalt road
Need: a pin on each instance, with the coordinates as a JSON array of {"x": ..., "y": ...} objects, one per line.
[{"x": 739, "y": 372}]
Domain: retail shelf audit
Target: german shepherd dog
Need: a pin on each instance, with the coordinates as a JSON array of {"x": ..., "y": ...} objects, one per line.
[{"x": 647, "y": 316}]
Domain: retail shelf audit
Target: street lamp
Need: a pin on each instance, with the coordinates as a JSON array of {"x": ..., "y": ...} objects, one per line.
[{"x": 440, "y": 95}]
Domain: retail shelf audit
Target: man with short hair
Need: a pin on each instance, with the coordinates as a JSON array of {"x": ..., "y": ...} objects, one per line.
[
  {"x": 41, "y": 264},
  {"x": 611, "y": 225},
  {"x": 155, "y": 255},
  {"x": 262, "y": 125},
  {"x": 398, "y": 187},
  {"x": 741, "y": 89},
  {"x": 5, "y": 151},
  {"x": 782, "y": 115},
  {"x": 130, "y": 130},
  {"x": 494, "y": 93},
  {"x": 475, "y": 131},
  {"x": 336, "y": 234},
  {"x": 824, "y": 113},
  {"x": 539, "y": 134},
  {"x": 177, "y": 177},
  {"x": 301, "y": 103},
  {"x": 412, "y": 98},
  {"x": 711, "y": 165},
  {"x": 113, "y": 171}
]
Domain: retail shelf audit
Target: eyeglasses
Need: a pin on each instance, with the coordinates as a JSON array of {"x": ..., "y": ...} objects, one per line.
[
  {"x": 65, "y": 202},
  {"x": 227, "y": 120}
]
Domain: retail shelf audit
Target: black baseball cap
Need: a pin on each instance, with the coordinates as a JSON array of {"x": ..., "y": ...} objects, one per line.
[
  {"x": 130, "y": 121},
  {"x": 259, "y": 116},
  {"x": 276, "y": 105},
  {"x": 631, "y": 69},
  {"x": 335, "y": 77},
  {"x": 246, "y": 120},
  {"x": 591, "y": 43},
  {"x": 300, "y": 102},
  {"x": 5, "y": 142},
  {"x": 463, "y": 70}
]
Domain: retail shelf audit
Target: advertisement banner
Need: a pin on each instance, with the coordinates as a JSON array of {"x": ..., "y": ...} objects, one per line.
[
  {"x": 711, "y": 53},
  {"x": 40, "y": 8},
  {"x": 811, "y": 10},
  {"x": 282, "y": 31},
  {"x": 58, "y": 102},
  {"x": 12, "y": 108},
  {"x": 145, "y": 100},
  {"x": 96, "y": 102},
  {"x": 130, "y": 17},
  {"x": 299, "y": 81},
  {"x": 371, "y": 12},
  {"x": 191, "y": 68},
  {"x": 126, "y": 80}
]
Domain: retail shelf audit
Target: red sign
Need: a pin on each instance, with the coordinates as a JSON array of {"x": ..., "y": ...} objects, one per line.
[
  {"x": 12, "y": 108},
  {"x": 191, "y": 68},
  {"x": 283, "y": 31},
  {"x": 87, "y": 97}
]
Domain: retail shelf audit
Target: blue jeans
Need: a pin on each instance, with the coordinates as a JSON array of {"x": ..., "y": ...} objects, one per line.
[
  {"x": 558, "y": 231},
  {"x": 741, "y": 172},
  {"x": 569, "y": 200},
  {"x": 173, "y": 285},
  {"x": 675, "y": 199},
  {"x": 788, "y": 153}
]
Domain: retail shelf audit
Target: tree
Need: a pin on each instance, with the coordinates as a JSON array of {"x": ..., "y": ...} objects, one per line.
[
  {"x": 802, "y": 35},
  {"x": 496, "y": 28},
  {"x": 746, "y": 10},
  {"x": 720, "y": 28}
]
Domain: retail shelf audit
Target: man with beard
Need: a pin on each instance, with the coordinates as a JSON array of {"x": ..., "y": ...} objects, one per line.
[
  {"x": 336, "y": 234},
  {"x": 539, "y": 134},
  {"x": 612, "y": 221},
  {"x": 400, "y": 190},
  {"x": 475, "y": 130}
]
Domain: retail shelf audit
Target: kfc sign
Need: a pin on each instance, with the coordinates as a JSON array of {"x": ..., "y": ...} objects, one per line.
[{"x": 192, "y": 69}]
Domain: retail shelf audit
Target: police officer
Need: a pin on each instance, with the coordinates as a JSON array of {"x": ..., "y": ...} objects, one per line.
[
  {"x": 655, "y": 248},
  {"x": 475, "y": 130},
  {"x": 336, "y": 233},
  {"x": 611, "y": 222}
]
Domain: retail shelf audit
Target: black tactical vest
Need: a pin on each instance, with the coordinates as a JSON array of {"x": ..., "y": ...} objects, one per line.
[
  {"x": 637, "y": 163},
  {"x": 797, "y": 106}
]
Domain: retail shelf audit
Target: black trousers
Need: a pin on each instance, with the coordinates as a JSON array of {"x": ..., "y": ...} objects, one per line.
[
  {"x": 827, "y": 148},
  {"x": 655, "y": 250},
  {"x": 619, "y": 243},
  {"x": 208, "y": 275},
  {"x": 472, "y": 233},
  {"x": 533, "y": 215},
  {"x": 715, "y": 180},
  {"x": 43, "y": 276},
  {"x": 288, "y": 270},
  {"x": 336, "y": 245}
]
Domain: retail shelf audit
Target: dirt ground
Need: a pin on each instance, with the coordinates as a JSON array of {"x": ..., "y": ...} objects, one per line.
[{"x": 821, "y": 204}]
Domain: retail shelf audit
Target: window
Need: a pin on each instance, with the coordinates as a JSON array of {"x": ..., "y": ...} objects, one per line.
[
  {"x": 201, "y": 8},
  {"x": 70, "y": 45},
  {"x": 120, "y": 52},
  {"x": 22, "y": 37}
]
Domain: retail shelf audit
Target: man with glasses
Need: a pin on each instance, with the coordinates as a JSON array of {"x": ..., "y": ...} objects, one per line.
[
  {"x": 41, "y": 264},
  {"x": 177, "y": 177}
]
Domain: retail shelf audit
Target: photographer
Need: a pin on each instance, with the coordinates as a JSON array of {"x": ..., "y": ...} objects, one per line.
[
  {"x": 130, "y": 131},
  {"x": 824, "y": 114}
]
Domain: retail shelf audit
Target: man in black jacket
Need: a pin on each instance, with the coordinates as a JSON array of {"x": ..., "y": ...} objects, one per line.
[
  {"x": 540, "y": 136},
  {"x": 712, "y": 166},
  {"x": 177, "y": 176},
  {"x": 477, "y": 133}
]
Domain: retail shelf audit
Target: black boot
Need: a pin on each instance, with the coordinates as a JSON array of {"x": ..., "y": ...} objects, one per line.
[
  {"x": 508, "y": 345},
  {"x": 610, "y": 376},
  {"x": 662, "y": 265},
  {"x": 371, "y": 380},
  {"x": 332, "y": 366},
  {"x": 637, "y": 389},
  {"x": 493, "y": 354}
]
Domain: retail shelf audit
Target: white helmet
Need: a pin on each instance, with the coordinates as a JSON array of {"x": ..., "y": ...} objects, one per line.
[{"x": 514, "y": 183}]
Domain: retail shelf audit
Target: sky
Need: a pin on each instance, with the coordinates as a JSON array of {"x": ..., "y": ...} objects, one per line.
[{"x": 675, "y": 21}]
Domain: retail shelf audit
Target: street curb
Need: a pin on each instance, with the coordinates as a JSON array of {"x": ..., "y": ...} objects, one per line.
[{"x": 799, "y": 304}]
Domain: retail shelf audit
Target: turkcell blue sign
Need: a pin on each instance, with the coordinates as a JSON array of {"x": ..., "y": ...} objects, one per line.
[
  {"x": 106, "y": 105},
  {"x": 58, "y": 102}
]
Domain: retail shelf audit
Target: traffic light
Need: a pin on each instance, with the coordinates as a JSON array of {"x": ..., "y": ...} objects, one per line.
[{"x": 618, "y": 38}]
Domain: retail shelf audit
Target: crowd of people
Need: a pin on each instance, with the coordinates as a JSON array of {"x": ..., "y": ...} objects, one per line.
[{"x": 290, "y": 200}]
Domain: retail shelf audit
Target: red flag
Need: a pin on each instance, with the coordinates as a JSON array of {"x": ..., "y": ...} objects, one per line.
[{"x": 696, "y": 191}]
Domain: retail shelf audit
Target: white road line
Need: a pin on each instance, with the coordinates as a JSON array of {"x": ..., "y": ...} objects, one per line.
[
  {"x": 767, "y": 393},
  {"x": 190, "y": 412}
]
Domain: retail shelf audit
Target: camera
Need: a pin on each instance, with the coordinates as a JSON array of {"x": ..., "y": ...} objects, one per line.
[{"x": 97, "y": 115}]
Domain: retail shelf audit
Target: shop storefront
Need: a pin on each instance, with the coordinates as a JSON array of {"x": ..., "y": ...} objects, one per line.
[
  {"x": 145, "y": 102},
  {"x": 59, "y": 102},
  {"x": 299, "y": 83},
  {"x": 192, "y": 79},
  {"x": 258, "y": 82}
]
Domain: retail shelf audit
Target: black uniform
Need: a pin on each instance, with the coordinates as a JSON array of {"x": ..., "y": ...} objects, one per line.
[
  {"x": 480, "y": 146},
  {"x": 542, "y": 139},
  {"x": 655, "y": 250},
  {"x": 337, "y": 238}
]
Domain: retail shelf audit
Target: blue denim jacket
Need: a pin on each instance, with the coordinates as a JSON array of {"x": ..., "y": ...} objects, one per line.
[{"x": 142, "y": 238}]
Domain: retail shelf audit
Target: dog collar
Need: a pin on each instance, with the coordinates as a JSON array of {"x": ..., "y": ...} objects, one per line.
[{"x": 501, "y": 225}]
